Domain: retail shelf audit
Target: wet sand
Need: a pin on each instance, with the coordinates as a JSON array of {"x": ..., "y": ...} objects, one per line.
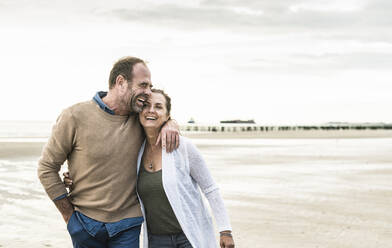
[{"x": 279, "y": 193}]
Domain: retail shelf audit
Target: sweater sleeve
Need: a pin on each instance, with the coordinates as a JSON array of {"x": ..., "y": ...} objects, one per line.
[
  {"x": 201, "y": 174},
  {"x": 54, "y": 154}
]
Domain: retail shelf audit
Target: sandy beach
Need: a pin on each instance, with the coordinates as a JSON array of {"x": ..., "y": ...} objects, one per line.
[{"x": 279, "y": 192}]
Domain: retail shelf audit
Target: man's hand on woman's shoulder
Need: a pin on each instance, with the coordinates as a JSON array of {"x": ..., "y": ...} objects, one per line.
[{"x": 169, "y": 136}]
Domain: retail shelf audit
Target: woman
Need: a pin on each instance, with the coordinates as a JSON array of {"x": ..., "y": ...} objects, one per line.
[{"x": 168, "y": 188}]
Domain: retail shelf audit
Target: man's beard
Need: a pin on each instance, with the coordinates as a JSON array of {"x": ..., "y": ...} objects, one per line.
[{"x": 136, "y": 105}]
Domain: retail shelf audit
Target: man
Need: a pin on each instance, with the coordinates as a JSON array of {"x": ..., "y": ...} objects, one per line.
[{"x": 100, "y": 140}]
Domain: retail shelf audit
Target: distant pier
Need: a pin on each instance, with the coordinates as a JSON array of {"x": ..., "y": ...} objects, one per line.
[
  {"x": 323, "y": 131},
  {"x": 262, "y": 128}
]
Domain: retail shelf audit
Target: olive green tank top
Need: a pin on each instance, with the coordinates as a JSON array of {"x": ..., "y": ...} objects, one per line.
[{"x": 160, "y": 217}]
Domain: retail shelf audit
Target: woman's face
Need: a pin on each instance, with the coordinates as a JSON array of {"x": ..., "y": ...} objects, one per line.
[{"x": 154, "y": 113}]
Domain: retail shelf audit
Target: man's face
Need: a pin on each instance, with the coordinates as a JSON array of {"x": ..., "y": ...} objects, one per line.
[{"x": 139, "y": 90}]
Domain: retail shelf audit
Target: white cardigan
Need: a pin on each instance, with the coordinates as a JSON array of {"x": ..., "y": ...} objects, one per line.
[{"x": 183, "y": 172}]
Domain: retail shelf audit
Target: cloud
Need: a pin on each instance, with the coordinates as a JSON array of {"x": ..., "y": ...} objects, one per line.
[
  {"x": 326, "y": 64},
  {"x": 357, "y": 20},
  {"x": 346, "y": 61},
  {"x": 299, "y": 45},
  {"x": 177, "y": 16},
  {"x": 365, "y": 20}
]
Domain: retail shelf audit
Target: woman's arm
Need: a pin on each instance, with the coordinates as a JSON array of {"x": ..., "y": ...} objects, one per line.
[{"x": 201, "y": 174}]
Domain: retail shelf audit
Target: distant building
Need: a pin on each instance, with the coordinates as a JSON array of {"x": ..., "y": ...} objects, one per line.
[{"x": 239, "y": 121}]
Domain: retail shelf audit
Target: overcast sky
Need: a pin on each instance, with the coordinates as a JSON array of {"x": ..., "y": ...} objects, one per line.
[{"x": 278, "y": 62}]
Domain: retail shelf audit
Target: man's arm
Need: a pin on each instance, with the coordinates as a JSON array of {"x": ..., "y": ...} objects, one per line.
[
  {"x": 169, "y": 136},
  {"x": 54, "y": 154},
  {"x": 65, "y": 207}
]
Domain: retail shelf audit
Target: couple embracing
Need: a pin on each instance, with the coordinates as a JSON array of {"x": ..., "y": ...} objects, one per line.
[{"x": 129, "y": 166}]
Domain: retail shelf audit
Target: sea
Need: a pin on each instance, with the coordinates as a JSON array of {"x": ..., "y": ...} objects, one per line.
[{"x": 21, "y": 131}]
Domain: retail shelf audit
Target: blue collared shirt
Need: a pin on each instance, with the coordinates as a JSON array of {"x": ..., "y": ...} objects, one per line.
[
  {"x": 98, "y": 99},
  {"x": 93, "y": 226}
]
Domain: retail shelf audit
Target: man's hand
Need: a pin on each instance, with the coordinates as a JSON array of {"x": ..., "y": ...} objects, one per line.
[
  {"x": 169, "y": 136},
  {"x": 226, "y": 240}
]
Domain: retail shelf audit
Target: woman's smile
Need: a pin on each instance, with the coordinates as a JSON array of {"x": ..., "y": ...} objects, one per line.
[{"x": 154, "y": 113}]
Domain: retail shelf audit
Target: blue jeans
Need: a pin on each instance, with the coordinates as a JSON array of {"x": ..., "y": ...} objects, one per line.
[
  {"x": 168, "y": 241},
  {"x": 82, "y": 239}
]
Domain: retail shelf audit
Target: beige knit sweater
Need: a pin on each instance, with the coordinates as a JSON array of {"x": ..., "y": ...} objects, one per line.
[{"x": 101, "y": 151}]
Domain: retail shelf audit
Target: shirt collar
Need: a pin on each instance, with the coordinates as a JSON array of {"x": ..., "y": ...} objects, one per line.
[{"x": 98, "y": 99}]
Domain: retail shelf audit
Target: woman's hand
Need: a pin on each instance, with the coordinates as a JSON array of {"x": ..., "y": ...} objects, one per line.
[
  {"x": 67, "y": 180},
  {"x": 226, "y": 240}
]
